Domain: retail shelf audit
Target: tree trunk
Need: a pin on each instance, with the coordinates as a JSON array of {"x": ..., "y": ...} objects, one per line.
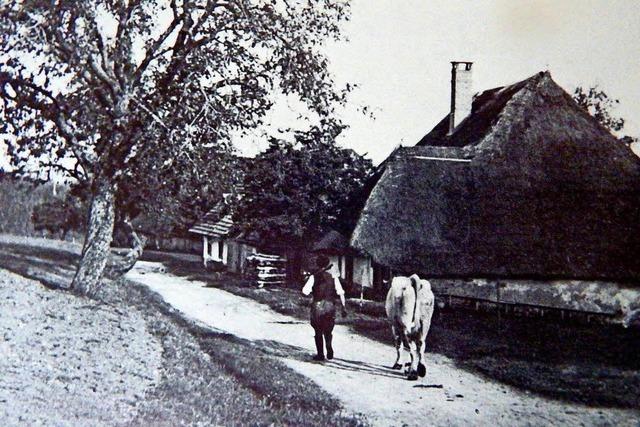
[
  {"x": 97, "y": 243},
  {"x": 126, "y": 263}
]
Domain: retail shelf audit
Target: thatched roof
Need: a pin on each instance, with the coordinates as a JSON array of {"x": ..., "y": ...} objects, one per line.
[
  {"x": 212, "y": 224},
  {"x": 528, "y": 185},
  {"x": 331, "y": 242}
]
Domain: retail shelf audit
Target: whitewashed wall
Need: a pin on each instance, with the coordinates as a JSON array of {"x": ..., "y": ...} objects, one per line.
[
  {"x": 363, "y": 272},
  {"x": 587, "y": 296}
]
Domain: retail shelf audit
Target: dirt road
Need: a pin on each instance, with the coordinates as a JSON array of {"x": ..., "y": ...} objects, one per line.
[{"x": 359, "y": 376}]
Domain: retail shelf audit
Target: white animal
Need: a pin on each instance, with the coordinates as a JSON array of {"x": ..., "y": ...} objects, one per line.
[{"x": 409, "y": 307}]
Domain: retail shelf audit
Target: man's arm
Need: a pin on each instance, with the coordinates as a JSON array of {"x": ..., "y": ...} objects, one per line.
[
  {"x": 340, "y": 292},
  {"x": 308, "y": 287}
]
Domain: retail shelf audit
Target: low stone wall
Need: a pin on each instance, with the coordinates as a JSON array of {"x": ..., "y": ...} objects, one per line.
[{"x": 596, "y": 297}]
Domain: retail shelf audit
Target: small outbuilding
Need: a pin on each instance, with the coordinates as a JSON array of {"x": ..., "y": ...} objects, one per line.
[{"x": 214, "y": 227}]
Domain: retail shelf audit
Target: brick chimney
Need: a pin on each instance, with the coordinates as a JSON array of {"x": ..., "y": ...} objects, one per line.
[{"x": 461, "y": 93}]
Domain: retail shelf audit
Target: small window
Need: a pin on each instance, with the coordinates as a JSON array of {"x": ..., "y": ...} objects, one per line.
[{"x": 220, "y": 249}]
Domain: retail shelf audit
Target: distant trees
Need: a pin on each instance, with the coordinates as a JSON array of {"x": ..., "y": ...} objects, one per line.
[
  {"x": 30, "y": 207},
  {"x": 600, "y": 106},
  {"x": 629, "y": 139},
  {"x": 18, "y": 198},
  {"x": 597, "y": 103},
  {"x": 112, "y": 91},
  {"x": 59, "y": 216}
]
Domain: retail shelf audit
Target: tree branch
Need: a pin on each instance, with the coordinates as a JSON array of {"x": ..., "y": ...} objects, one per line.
[
  {"x": 75, "y": 173},
  {"x": 151, "y": 52},
  {"x": 58, "y": 118},
  {"x": 126, "y": 263}
]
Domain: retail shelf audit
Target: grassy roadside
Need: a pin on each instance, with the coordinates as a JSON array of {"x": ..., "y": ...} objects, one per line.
[
  {"x": 593, "y": 365},
  {"x": 207, "y": 378}
]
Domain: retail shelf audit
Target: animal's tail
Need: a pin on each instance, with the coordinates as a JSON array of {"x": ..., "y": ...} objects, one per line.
[{"x": 415, "y": 280}]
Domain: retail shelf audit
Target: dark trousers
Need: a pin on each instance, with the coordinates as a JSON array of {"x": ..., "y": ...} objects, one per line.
[{"x": 323, "y": 319}]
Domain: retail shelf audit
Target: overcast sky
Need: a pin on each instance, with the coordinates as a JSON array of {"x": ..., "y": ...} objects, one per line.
[{"x": 399, "y": 53}]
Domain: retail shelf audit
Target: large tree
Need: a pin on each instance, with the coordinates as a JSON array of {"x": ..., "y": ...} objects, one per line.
[
  {"x": 297, "y": 190},
  {"x": 111, "y": 90}
]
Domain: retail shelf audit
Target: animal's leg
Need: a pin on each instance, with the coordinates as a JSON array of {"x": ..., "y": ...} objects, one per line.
[
  {"x": 413, "y": 370},
  {"x": 398, "y": 341},
  {"x": 422, "y": 370},
  {"x": 410, "y": 344},
  {"x": 407, "y": 347},
  {"x": 426, "y": 325}
]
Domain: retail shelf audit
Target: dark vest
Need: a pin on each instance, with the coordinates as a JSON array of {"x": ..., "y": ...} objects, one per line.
[{"x": 323, "y": 287}]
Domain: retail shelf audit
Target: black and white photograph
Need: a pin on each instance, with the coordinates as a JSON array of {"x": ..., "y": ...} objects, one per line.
[{"x": 320, "y": 213}]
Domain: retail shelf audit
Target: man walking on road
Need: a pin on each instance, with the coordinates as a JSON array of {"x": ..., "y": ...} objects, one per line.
[{"x": 324, "y": 288}]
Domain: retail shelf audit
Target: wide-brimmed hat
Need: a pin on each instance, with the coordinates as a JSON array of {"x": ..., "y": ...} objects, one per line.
[{"x": 321, "y": 262}]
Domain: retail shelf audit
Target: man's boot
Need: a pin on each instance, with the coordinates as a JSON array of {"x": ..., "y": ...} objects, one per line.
[
  {"x": 320, "y": 351},
  {"x": 328, "y": 338}
]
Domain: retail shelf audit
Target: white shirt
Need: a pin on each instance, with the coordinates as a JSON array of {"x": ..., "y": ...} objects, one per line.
[{"x": 308, "y": 287}]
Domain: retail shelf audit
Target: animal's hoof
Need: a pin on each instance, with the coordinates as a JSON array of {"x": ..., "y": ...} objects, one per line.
[
  {"x": 318, "y": 358},
  {"x": 413, "y": 376},
  {"x": 397, "y": 366},
  {"x": 422, "y": 370}
]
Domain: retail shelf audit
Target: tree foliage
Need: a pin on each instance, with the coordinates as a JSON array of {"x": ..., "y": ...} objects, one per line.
[
  {"x": 597, "y": 103},
  {"x": 111, "y": 91},
  {"x": 296, "y": 190},
  {"x": 153, "y": 76},
  {"x": 628, "y": 140},
  {"x": 600, "y": 106},
  {"x": 177, "y": 200}
]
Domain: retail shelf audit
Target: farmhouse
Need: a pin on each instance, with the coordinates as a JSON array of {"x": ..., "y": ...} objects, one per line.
[
  {"x": 235, "y": 250},
  {"x": 518, "y": 195}
]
